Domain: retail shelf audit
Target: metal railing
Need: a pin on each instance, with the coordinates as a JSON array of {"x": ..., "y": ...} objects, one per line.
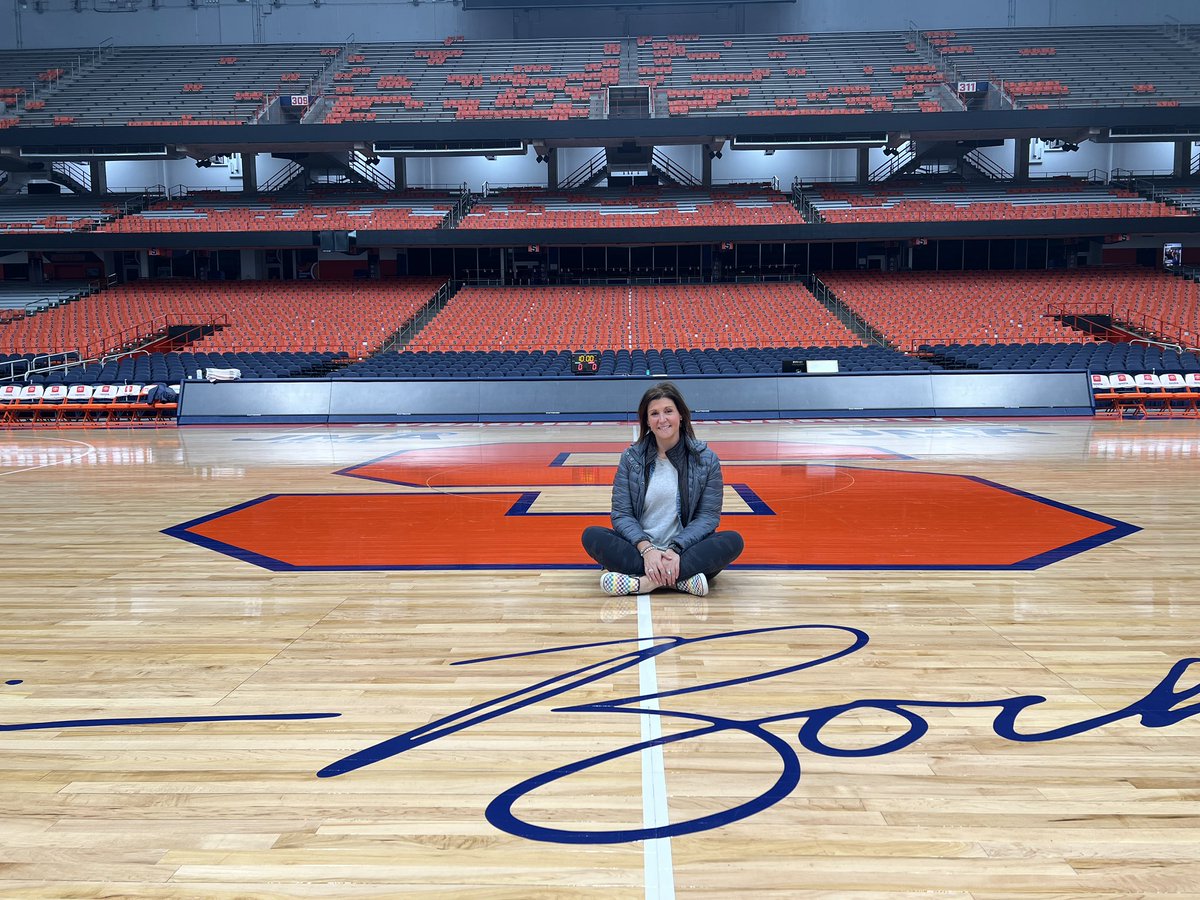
[
  {"x": 73, "y": 172},
  {"x": 673, "y": 170},
  {"x": 31, "y": 367},
  {"x": 183, "y": 191},
  {"x": 119, "y": 346},
  {"x": 924, "y": 48},
  {"x": 842, "y": 310},
  {"x": 586, "y": 172},
  {"x": 459, "y": 211},
  {"x": 282, "y": 178},
  {"x": 318, "y": 85},
  {"x": 357, "y": 163},
  {"x": 1137, "y": 326},
  {"x": 987, "y": 165},
  {"x": 152, "y": 190},
  {"x": 1129, "y": 175},
  {"x": 47, "y": 82},
  {"x": 9, "y": 367},
  {"x": 905, "y": 154},
  {"x": 133, "y": 337},
  {"x": 1184, "y": 33},
  {"x": 33, "y": 307},
  {"x": 1006, "y": 99},
  {"x": 411, "y": 328},
  {"x": 807, "y": 208}
]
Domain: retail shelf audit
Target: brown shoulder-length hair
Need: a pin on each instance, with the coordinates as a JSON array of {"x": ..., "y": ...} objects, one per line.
[{"x": 664, "y": 390}]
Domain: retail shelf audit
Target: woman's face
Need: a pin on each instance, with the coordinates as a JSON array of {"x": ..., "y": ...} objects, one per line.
[{"x": 662, "y": 418}]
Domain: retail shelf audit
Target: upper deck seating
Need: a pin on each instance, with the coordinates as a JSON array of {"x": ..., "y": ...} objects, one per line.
[
  {"x": 940, "y": 202},
  {"x": 616, "y": 317},
  {"x": 459, "y": 79},
  {"x": 756, "y": 75},
  {"x": 354, "y": 317},
  {"x": 225, "y": 84},
  {"x": 651, "y": 208},
  {"x": 1077, "y": 66},
  {"x": 789, "y": 75},
  {"x": 914, "y": 308},
  {"x": 26, "y": 76}
]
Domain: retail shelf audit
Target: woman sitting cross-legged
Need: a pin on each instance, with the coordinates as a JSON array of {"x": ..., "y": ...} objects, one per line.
[{"x": 666, "y": 504}]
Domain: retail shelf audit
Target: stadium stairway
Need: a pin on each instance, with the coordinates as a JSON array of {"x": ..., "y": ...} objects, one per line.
[
  {"x": 1099, "y": 326},
  {"x": 846, "y": 315},
  {"x": 410, "y": 329}
]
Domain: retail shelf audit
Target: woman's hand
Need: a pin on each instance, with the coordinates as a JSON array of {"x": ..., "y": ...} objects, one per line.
[{"x": 662, "y": 566}]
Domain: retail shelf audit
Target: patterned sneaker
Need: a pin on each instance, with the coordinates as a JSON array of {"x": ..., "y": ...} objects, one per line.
[
  {"x": 697, "y": 585},
  {"x": 615, "y": 584}
]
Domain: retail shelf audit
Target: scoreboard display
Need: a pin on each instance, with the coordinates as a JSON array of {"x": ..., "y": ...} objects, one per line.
[{"x": 585, "y": 363}]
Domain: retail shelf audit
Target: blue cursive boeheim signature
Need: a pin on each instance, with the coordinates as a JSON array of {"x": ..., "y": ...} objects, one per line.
[{"x": 1160, "y": 707}]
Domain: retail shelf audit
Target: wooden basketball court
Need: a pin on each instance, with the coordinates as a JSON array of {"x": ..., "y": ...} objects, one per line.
[{"x": 959, "y": 658}]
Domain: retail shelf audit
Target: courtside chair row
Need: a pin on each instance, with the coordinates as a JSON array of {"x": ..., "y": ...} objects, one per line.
[
  {"x": 83, "y": 404},
  {"x": 1144, "y": 394}
]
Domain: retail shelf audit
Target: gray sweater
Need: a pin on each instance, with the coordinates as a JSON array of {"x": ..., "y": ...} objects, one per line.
[{"x": 701, "y": 489}]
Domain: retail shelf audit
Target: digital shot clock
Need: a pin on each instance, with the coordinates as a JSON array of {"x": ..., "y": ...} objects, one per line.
[{"x": 585, "y": 363}]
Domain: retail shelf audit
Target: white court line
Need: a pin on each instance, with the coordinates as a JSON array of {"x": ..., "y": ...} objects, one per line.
[
  {"x": 660, "y": 874},
  {"x": 58, "y": 462}
]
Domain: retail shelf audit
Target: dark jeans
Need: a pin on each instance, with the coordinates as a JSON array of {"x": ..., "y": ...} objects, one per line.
[{"x": 616, "y": 554}]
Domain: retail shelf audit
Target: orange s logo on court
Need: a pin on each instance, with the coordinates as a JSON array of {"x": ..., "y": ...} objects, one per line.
[{"x": 524, "y": 505}]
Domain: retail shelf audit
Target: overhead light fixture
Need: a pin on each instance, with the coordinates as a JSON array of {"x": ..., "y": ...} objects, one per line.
[
  {"x": 770, "y": 151},
  {"x": 489, "y": 157}
]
